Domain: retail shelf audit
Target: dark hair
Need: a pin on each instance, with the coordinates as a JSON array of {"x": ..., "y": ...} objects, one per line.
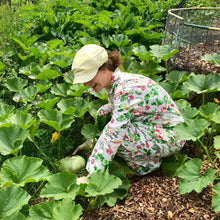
[{"x": 114, "y": 61}]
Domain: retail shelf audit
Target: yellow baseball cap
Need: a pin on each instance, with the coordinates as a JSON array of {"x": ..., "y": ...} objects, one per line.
[{"x": 87, "y": 62}]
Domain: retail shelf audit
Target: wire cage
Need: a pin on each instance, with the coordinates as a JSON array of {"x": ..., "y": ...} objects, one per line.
[{"x": 194, "y": 32}]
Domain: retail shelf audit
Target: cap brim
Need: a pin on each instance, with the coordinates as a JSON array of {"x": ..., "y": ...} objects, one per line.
[{"x": 83, "y": 78}]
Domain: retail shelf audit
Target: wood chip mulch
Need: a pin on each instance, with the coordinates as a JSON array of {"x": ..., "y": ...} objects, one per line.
[{"x": 155, "y": 196}]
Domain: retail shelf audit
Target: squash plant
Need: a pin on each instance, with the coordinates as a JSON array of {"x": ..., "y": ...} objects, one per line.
[{"x": 38, "y": 101}]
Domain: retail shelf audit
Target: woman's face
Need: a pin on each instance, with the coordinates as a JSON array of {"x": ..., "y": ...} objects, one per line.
[{"x": 101, "y": 80}]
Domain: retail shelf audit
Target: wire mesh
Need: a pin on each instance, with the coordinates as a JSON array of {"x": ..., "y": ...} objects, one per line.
[{"x": 194, "y": 32}]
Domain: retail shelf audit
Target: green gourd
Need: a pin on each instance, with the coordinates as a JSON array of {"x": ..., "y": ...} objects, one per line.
[{"x": 72, "y": 164}]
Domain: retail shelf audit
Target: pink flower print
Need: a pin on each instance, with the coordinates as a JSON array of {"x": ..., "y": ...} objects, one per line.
[
  {"x": 156, "y": 117},
  {"x": 147, "y": 107},
  {"x": 182, "y": 142},
  {"x": 155, "y": 161},
  {"x": 131, "y": 97},
  {"x": 134, "y": 166},
  {"x": 118, "y": 95},
  {"x": 92, "y": 161},
  {"x": 126, "y": 137},
  {"x": 136, "y": 153},
  {"x": 143, "y": 88},
  {"x": 112, "y": 121},
  {"x": 110, "y": 131},
  {"x": 139, "y": 147},
  {"x": 137, "y": 112},
  {"x": 113, "y": 77},
  {"x": 158, "y": 134},
  {"x": 147, "y": 145},
  {"x": 95, "y": 151},
  {"x": 151, "y": 82},
  {"x": 127, "y": 151},
  {"x": 109, "y": 151},
  {"x": 172, "y": 105}
]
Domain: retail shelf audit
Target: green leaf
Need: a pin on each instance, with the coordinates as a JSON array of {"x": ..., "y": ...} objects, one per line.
[
  {"x": 163, "y": 52},
  {"x": 216, "y": 117},
  {"x": 94, "y": 106},
  {"x": 216, "y": 198},
  {"x": 5, "y": 110},
  {"x": 177, "y": 76},
  {"x": 186, "y": 110},
  {"x": 120, "y": 40},
  {"x": 204, "y": 83},
  {"x": 19, "y": 117},
  {"x": 213, "y": 58},
  {"x": 43, "y": 211},
  {"x": 11, "y": 139},
  {"x": 12, "y": 199},
  {"x": 89, "y": 131},
  {"x": 15, "y": 84},
  {"x": 75, "y": 106},
  {"x": 55, "y": 119},
  {"x": 142, "y": 53},
  {"x": 217, "y": 142},
  {"x": 48, "y": 74},
  {"x": 101, "y": 184},
  {"x": 76, "y": 90},
  {"x": 61, "y": 61},
  {"x": 192, "y": 179},
  {"x": 26, "y": 95},
  {"x": 191, "y": 129},
  {"x": 60, "y": 89},
  {"x": 43, "y": 85},
  {"x": 21, "y": 44},
  {"x": 2, "y": 66},
  {"x": 172, "y": 165},
  {"x": 208, "y": 109},
  {"x": 61, "y": 185},
  {"x": 60, "y": 210},
  {"x": 48, "y": 102},
  {"x": 21, "y": 170}
]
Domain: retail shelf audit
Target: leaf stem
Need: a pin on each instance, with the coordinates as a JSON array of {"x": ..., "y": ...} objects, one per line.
[
  {"x": 37, "y": 189},
  {"x": 210, "y": 137},
  {"x": 206, "y": 151},
  {"x": 43, "y": 154},
  {"x": 166, "y": 66},
  {"x": 91, "y": 205},
  {"x": 59, "y": 146}
]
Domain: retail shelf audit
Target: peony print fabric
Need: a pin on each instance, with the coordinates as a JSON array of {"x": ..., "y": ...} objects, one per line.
[{"x": 141, "y": 127}]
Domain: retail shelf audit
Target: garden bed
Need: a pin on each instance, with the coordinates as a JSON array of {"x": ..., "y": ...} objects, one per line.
[{"x": 155, "y": 196}]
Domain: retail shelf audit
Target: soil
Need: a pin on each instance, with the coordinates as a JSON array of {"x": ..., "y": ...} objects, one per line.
[
  {"x": 156, "y": 196},
  {"x": 190, "y": 59}
]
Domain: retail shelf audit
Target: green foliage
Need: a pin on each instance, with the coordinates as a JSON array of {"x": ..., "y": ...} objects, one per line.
[
  {"x": 38, "y": 42},
  {"x": 191, "y": 177},
  {"x": 22, "y": 170},
  {"x": 12, "y": 200}
]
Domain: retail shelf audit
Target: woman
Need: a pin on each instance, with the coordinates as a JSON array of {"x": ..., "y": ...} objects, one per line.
[{"x": 143, "y": 113}]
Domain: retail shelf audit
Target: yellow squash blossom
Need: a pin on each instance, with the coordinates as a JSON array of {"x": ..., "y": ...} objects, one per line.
[
  {"x": 216, "y": 100},
  {"x": 55, "y": 136}
]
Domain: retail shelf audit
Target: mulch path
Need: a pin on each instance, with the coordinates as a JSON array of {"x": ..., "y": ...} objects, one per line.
[{"x": 156, "y": 196}]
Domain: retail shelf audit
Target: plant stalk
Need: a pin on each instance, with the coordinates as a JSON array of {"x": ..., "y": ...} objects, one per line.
[
  {"x": 206, "y": 151},
  {"x": 59, "y": 146},
  {"x": 44, "y": 154}
]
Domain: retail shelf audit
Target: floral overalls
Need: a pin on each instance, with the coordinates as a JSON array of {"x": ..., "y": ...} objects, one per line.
[{"x": 141, "y": 127}]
